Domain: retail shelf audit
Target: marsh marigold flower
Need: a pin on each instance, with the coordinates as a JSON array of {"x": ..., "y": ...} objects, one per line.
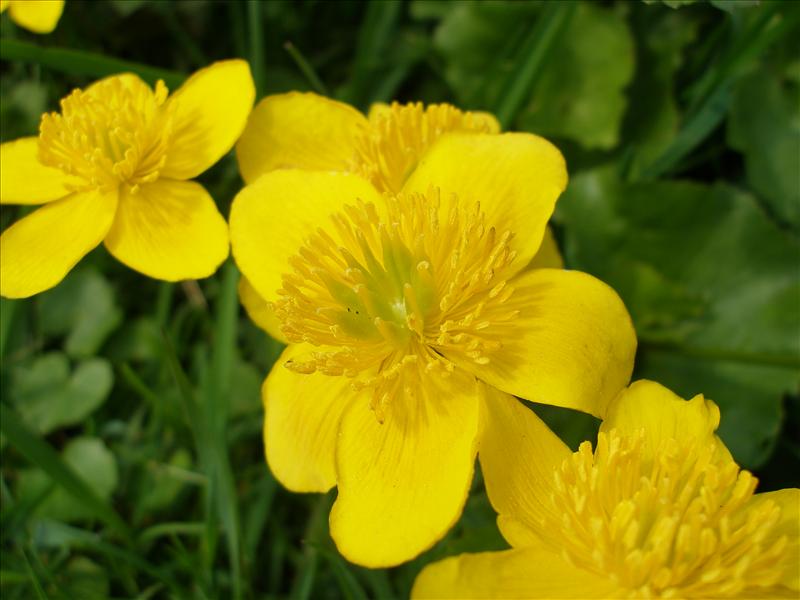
[
  {"x": 114, "y": 166},
  {"x": 306, "y": 131},
  {"x": 659, "y": 509},
  {"x": 397, "y": 302},
  {"x": 38, "y": 16}
]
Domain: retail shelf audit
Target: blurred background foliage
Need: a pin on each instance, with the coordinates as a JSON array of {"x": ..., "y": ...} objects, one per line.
[{"x": 132, "y": 464}]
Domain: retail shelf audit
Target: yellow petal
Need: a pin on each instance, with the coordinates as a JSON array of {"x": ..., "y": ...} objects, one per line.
[
  {"x": 24, "y": 180},
  {"x": 271, "y": 218},
  {"x": 519, "y": 455},
  {"x": 259, "y": 310},
  {"x": 4, "y": 5},
  {"x": 512, "y": 574},
  {"x": 169, "y": 230},
  {"x": 788, "y": 525},
  {"x": 37, "y": 251},
  {"x": 571, "y": 345},
  {"x": 403, "y": 482},
  {"x": 39, "y": 16},
  {"x": 298, "y": 130},
  {"x": 548, "y": 255},
  {"x": 516, "y": 178},
  {"x": 301, "y": 423},
  {"x": 663, "y": 415},
  {"x": 211, "y": 110}
]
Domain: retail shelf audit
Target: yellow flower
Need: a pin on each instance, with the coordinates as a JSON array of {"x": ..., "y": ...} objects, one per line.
[
  {"x": 113, "y": 166},
  {"x": 38, "y": 16},
  {"x": 397, "y": 303},
  {"x": 658, "y": 510},
  {"x": 306, "y": 131}
]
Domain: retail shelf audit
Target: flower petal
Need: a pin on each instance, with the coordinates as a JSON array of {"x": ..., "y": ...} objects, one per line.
[
  {"x": 271, "y": 218},
  {"x": 301, "y": 424},
  {"x": 663, "y": 414},
  {"x": 39, "y": 16},
  {"x": 548, "y": 256},
  {"x": 169, "y": 230},
  {"x": 37, "y": 251},
  {"x": 211, "y": 111},
  {"x": 403, "y": 482},
  {"x": 24, "y": 180},
  {"x": 788, "y": 525},
  {"x": 512, "y": 574},
  {"x": 571, "y": 345},
  {"x": 298, "y": 130},
  {"x": 259, "y": 310},
  {"x": 519, "y": 455},
  {"x": 516, "y": 177}
]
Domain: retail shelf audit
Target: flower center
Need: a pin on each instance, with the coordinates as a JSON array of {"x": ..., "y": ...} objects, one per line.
[
  {"x": 115, "y": 132},
  {"x": 383, "y": 294},
  {"x": 681, "y": 525},
  {"x": 391, "y": 147}
]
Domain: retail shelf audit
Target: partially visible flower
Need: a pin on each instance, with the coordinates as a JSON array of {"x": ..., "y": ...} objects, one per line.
[
  {"x": 303, "y": 130},
  {"x": 38, "y": 16},
  {"x": 397, "y": 304},
  {"x": 113, "y": 166},
  {"x": 659, "y": 509}
]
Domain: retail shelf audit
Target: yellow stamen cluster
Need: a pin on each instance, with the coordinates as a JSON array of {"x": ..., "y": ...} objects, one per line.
[
  {"x": 679, "y": 525},
  {"x": 385, "y": 296},
  {"x": 391, "y": 147},
  {"x": 110, "y": 134}
]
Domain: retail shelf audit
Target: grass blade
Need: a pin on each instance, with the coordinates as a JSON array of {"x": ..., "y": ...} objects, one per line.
[
  {"x": 40, "y": 453},
  {"x": 256, "y": 50},
  {"x": 80, "y": 62},
  {"x": 306, "y": 69},
  {"x": 519, "y": 84}
]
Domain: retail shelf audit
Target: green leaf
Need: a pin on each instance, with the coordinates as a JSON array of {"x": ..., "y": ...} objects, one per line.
[
  {"x": 96, "y": 467},
  {"x": 581, "y": 92},
  {"x": 41, "y": 454},
  {"x": 652, "y": 121},
  {"x": 706, "y": 276},
  {"x": 82, "y": 307},
  {"x": 48, "y": 396},
  {"x": 764, "y": 124},
  {"x": 79, "y": 62}
]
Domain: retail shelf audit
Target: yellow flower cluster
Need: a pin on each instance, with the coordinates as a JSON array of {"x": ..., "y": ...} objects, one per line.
[{"x": 404, "y": 256}]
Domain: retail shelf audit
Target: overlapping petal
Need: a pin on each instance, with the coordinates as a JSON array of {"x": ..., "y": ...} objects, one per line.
[
  {"x": 519, "y": 455},
  {"x": 37, "y": 251},
  {"x": 39, "y": 16},
  {"x": 511, "y": 575},
  {"x": 301, "y": 424},
  {"x": 169, "y": 230},
  {"x": 299, "y": 130},
  {"x": 211, "y": 110},
  {"x": 403, "y": 482},
  {"x": 571, "y": 345},
  {"x": 259, "y": 310},
  {"x": 516, "y": 178},
  {"x": 664, "y": 415},
  {"x": 271, "y": 218},
  {"x": 24, "y": 180}
]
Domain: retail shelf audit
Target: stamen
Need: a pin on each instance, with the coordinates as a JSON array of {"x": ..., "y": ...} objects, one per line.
[
  {"x": 391, "y": 148},
  {"x": 378, "y": 294},
  {"x": 681, "y": 526},
  {"x": 112, "y": 133}
]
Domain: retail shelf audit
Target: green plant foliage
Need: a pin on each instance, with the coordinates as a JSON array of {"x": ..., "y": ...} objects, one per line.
[
  {"x": 95, "y": 465},
  {"x": 49, "y": 394},
  {"x": 82, "y": 308},
  {"x": 765, "y": 126},
  {"x": 659, "y": 245}
]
